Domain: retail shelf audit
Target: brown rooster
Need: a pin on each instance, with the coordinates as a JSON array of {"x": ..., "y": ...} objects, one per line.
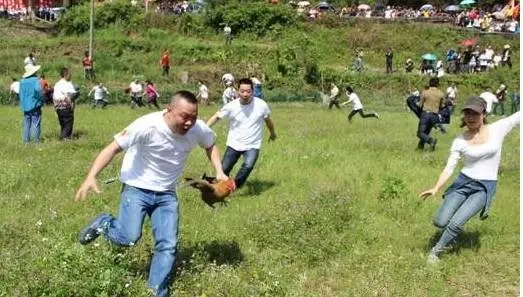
[{"x": 211, "y": 189}]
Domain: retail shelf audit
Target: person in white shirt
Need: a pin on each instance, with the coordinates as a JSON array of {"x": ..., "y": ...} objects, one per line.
[
  {"x": 451, "y": 96},
  {"x": 203, "y": 93},
  {"x": 229, "y": 94},
  {"x": 473, "y": 190},
  {"x": 100, "y": 95},
  {"x": 227, "y": 77},
  {"x": 246, "y": 117},
  {"x": 14, "y": 90},
  {"x": 156, "y": 148},
  {"x": 227, "y": 31},
  {"x": 357, "y": 107},
  {"x": 136, "y": 91},
  {"x": 30, "y": 60},
  {"x": 334, "y": 97},
  {"x": 64, "y": 95},
  {"x": 489, "y": 98}
]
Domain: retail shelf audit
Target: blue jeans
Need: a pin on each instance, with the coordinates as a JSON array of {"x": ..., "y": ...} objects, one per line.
[
  {"x": 231, "y": 156},
  {"x": 32, "y": 121},
  {"x": 126, "y": 230},
  {"x": 458, "y": 207}
]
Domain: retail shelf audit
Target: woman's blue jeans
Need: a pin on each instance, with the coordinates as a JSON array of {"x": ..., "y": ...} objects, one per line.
[
  {"x": 231, "y": 156},
  {"x": 126, "y": 230},
  {"x": 458, "y": 207},
  {"x": 32, "y": 121}
]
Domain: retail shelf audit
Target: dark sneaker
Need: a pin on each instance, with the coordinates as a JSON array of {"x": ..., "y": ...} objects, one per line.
[
  {"x": 94, "y": 229},
  {"x": 433, "y": 144}
]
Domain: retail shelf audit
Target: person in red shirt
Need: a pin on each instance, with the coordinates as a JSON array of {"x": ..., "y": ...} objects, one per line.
[
  {"x": 87, "y": 62},
  {"x": 164, "y": 62},
  {"x": 47, "y": 92}
]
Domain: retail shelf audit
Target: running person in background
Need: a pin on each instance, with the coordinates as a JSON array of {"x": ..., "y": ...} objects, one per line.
[
  {"x": 473, "y": 190},
  {"x": 136, "y": 91},
  {"x": 258, "y": 91},
  {"x": 357, "y": 107},
  {"x": 152, "y": 94},
  {"x": 203, "y": 93},
  {"x": 229, "y": 94},
  {"x": 334, "y": 98},
  {"x": 100, "y": 95}
]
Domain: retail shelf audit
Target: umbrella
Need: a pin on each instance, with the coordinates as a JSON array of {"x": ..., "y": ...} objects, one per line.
[
  {"x": 430, "y": 57},
  {"x": 363, "y": 7},
  {"x": 467, "y": 2},
  {"x": 469, "y": 42},
  {"x": 429, "y": 7},
  {"x": 452, "y": 8}
]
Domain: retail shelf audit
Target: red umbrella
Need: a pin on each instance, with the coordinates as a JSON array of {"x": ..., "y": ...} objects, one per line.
[{"x": 469, "y": 42}]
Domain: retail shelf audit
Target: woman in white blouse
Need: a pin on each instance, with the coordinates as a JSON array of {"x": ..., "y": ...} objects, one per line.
[{"x": 473, "y": 190}]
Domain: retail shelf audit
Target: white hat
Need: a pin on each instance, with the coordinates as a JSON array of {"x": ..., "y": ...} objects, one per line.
[
  {"x": 507, "y": 46},
  {"x": 30, "y": 70}
]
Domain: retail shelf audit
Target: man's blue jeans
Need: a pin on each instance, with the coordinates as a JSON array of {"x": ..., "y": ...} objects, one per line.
[
  {"x": 230, "y": 158},
  {"x": 126, "y": 230},
  {"x": 458, "y": 207},
  {"x": 32, "y": 121}
]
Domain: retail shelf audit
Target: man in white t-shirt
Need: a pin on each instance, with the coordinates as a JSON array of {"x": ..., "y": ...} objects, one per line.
[
  {"x": 203, "y": 93},
  {"x": 451, "y": 96},
  {"x": 156, "y": 149},
  {"x": 14, "y": 90},
  {"x": 246, "y": 117},
  {"x": 490, "y": 98},
  {"x": 100, "y": 93},
  {"x": 64, "y": 95},
  {"x": 136, "y": 90}
]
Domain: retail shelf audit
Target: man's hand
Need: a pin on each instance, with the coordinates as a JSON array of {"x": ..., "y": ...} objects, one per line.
[
  {"x": 221, "y": 176},
  {"x": 428, "y": 193},
  {"x": 87, "y": 185},
  {"x": 273, "y": 137}
]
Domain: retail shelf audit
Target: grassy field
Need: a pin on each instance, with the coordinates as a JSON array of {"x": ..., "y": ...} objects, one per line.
[{"x": 331, "y": 209}]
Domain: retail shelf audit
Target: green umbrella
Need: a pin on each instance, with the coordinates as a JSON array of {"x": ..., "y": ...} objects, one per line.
[
  {"x": 467, "y": 2},
  {"x": 430, "y": 57}
]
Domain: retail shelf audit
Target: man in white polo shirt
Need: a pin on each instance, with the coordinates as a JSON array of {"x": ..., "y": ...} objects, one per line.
[
  {"x": 156, "y": 149},
  {"x": 246, "y": 117},
  {"x": 136, "y": 89}
]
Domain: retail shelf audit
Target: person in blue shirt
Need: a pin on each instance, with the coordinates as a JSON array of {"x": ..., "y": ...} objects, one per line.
[
  {"x": 31, "y": 102},
  {"x": 257, "y": 88}
]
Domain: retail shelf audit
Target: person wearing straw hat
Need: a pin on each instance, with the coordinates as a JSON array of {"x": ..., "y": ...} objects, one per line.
[
  {"x": 31, "y": 103},
  {"x": 473, "y": 190}
]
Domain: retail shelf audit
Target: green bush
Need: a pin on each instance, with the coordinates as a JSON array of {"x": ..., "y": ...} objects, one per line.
[{"x": 258, "y": 19}]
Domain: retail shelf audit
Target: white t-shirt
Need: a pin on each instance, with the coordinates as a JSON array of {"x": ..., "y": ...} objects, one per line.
[
  {"x": 15, "y": 87},
  {"x": 355, "y": 100},
  {"x": 99, "y": 92},
  {"x": 245, "y": 123},
  {"x": 490, "y": 98},
  {"x": 229, "y": 94},
  {"x": 452, "y": 92},
  {"x": 155, "y": 156},
  {"x": 29, "y": 61},
  {"x": 482, "y": 161},
  {"x": 62, "y": 89},
  {"x": 136, "y": 87},
  {"x": 204, "y": 92}
]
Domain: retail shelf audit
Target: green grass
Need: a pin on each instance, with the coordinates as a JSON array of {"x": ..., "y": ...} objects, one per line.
[{"x": 331, "y": 209}]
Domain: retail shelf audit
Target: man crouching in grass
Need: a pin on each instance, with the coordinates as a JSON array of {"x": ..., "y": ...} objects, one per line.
[{"x": 157, "y": 146}]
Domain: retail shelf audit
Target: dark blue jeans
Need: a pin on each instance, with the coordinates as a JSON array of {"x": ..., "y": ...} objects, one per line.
[
  {"x": 32, "y": 121},
  {"x": 426, "y": 122},
  {"x": 230, "y": 158}
]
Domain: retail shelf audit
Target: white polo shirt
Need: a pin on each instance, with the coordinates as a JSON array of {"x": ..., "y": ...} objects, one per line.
[
  {"x": 61, "y": 90},
  {"x": 245, "y": 123},
  {"x": 15, "y": 87},
  {"x": 136, "y": 87},
  {"x": 155, "y": 156}
]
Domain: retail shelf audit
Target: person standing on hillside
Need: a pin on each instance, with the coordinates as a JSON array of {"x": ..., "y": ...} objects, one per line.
[
  {"x": 246, "y": 117},
  {"x": 227, "y": 31},
  {"x": 388, "y": 60},
  {"x": 357, "y": 107},
  {"x": 156, "y": 148},
  {"x": 451, "y": 96},
  {"x": 505, "y": 56},
  {"x": 501, "y": 95},
  {"x": 473, "y": 190},
  {"x": 64, "y": 96},
  {"x": 87, "y": 63},
  {"x": 203, "y": 93},
  {"x": 31, "y": 103},
  {"x": 431, "y": 103},
  {"x": 165, "y": 63}
]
